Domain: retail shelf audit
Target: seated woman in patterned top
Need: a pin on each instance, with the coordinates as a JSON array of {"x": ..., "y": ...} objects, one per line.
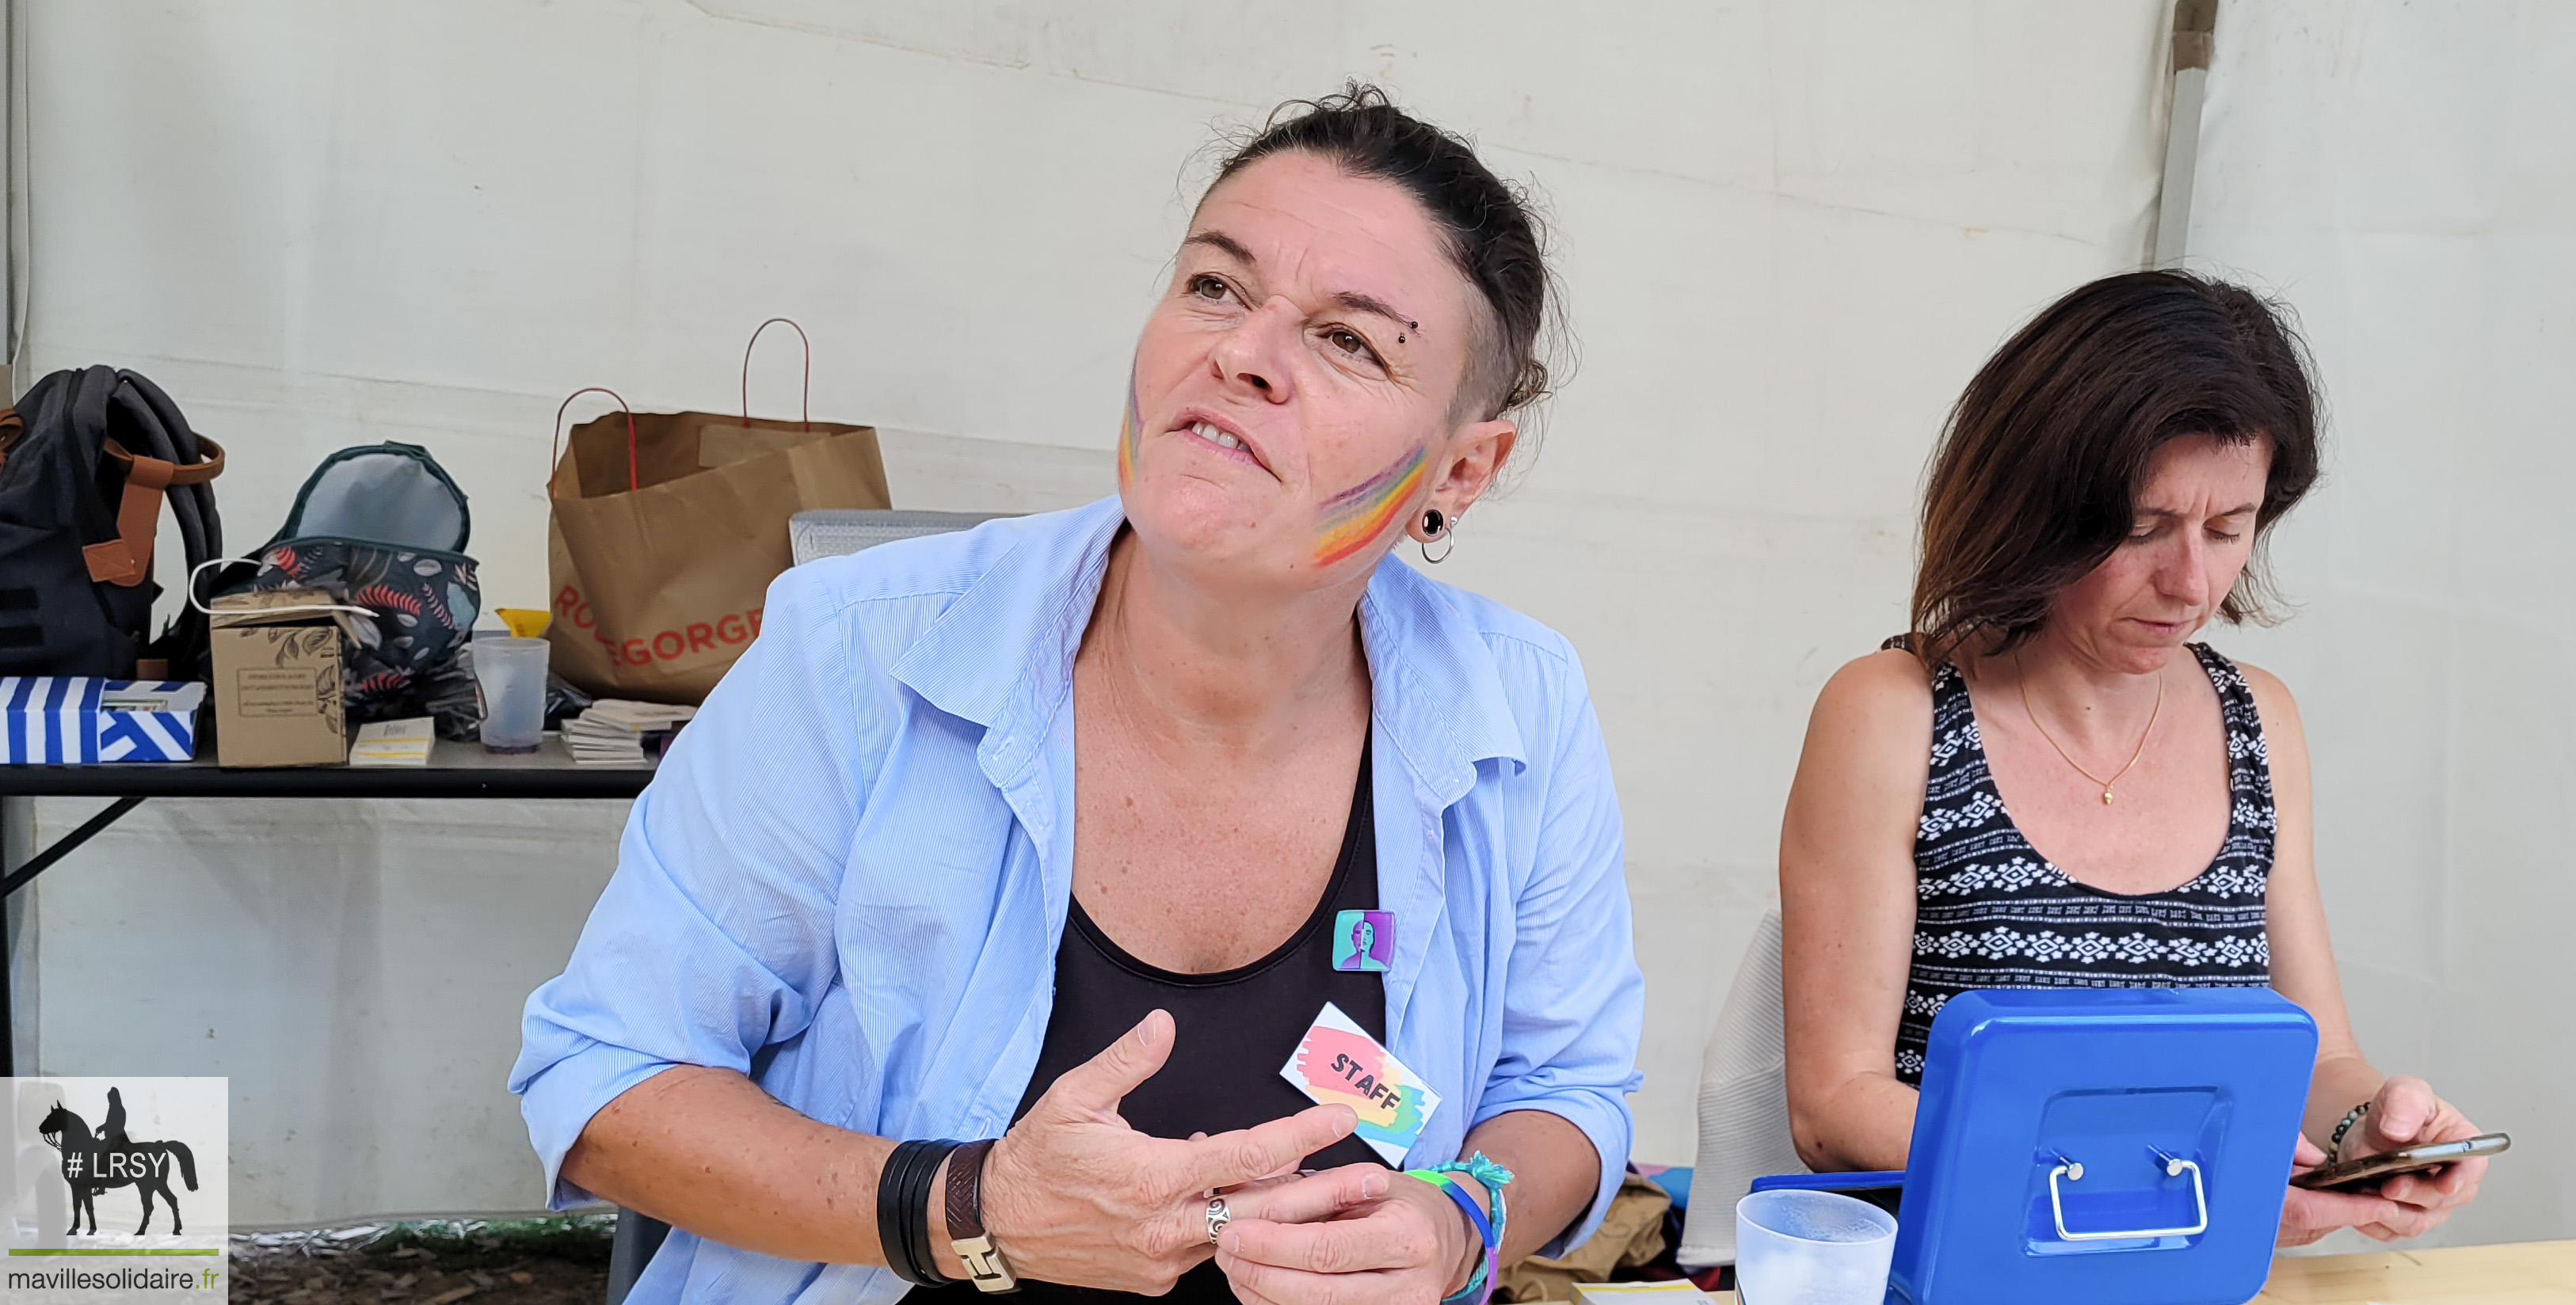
[{"x": 2097, "y": 498}]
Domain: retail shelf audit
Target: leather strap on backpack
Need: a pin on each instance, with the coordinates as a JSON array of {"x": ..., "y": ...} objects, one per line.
[{"x": 127, "y": 559}]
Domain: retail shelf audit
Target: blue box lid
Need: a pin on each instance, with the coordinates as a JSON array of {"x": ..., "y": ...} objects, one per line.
[{"x": 2116, "y": 1146}]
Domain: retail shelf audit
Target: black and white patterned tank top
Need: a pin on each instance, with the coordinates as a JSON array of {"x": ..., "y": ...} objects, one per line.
[{"x": 1991, "y": 912}]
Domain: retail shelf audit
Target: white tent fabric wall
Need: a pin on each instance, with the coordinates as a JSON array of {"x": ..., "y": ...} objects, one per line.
[
  {"x": 1790, "y": 230},
  {"x": 355, "y": 968},
  {"x": 2399, "y": 173}
]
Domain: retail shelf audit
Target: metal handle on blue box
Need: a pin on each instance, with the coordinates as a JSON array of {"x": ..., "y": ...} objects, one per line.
[{"x": 2173, "y": 1168}]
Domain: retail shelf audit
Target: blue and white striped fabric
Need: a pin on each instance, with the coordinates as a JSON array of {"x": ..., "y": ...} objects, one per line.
[{"x": 78, "y": 719}]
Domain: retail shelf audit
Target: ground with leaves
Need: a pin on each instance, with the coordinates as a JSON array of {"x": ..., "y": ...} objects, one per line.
[{"x": 557, "y": 1261}]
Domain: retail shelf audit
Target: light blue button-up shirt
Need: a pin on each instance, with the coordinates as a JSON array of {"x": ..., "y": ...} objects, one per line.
[{"x": 849, "y": 878}]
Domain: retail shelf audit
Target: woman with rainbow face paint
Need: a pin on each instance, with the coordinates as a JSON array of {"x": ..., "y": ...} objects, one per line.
[{"x": 1053, "y": 837}]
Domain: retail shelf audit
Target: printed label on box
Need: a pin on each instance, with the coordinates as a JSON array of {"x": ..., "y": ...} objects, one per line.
[{"x": 272, "y": 691}]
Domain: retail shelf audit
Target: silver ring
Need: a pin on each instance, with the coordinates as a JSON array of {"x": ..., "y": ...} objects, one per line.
[{"x": 1218, "y": 1217}]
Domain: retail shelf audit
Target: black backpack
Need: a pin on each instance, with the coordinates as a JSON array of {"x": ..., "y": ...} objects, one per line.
[{"x": 86, "y": 459}]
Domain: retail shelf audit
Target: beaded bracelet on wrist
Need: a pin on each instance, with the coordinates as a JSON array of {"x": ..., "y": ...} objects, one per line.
[{"x": 2334, "y": 1145}]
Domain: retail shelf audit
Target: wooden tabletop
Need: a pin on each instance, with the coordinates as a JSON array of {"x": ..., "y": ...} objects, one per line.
[{"x": 2518, "y": 1273}]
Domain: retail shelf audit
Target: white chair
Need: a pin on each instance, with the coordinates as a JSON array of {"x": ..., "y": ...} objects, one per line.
[{"x": 1743, "y": 1104}]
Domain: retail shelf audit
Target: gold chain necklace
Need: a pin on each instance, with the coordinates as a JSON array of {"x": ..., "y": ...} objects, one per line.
[{"x": 2143, "y": 736}]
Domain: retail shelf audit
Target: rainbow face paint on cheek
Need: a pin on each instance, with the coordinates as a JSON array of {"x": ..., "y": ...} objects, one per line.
[
  {"x": 1131, "y": 432},
  {"x": 1354, "y": 518}
]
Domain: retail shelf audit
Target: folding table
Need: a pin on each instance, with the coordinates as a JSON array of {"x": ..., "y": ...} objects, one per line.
[{"x": 455, "y": 770}]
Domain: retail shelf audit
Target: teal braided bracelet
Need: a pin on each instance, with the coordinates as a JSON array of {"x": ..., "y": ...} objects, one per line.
[{"x": 1491, "y": 1176}]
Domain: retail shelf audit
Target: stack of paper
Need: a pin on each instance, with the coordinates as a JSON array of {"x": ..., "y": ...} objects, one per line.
[
  {"x": 616, "y": 732},
  {"x": 394, "y": 743}
]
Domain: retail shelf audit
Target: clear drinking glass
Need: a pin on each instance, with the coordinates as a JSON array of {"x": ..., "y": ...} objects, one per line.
[
  {"x": 1797, "y": 1247},
  {"x": 512, "y": 674}
]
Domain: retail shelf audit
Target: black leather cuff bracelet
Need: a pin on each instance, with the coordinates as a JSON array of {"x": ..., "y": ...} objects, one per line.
[{"x": 903, "y": 1210}]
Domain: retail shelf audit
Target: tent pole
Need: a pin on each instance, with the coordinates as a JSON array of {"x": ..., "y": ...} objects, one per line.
[{"x": 2194, "y": 32}]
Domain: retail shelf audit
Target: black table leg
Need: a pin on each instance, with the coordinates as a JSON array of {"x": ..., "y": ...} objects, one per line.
[
  {"x": 8, "y": 995},
  {"x": 63, "y": 846},
  {"x": 18, "y": 877},
  {"x": 637, "y": 1237},
  {"x": 8, "y": 948}
]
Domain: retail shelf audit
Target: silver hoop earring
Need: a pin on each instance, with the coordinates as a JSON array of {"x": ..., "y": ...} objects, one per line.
[{"x": 1441, "y": 528}]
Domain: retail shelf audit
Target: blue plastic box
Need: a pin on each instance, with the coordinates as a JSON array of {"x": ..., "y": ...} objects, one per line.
[
  {"x": 2054, "y": 1121},
  {"x": 2111, "y": 1146}
]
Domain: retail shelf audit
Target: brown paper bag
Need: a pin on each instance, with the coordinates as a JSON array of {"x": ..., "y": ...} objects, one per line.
[
  {"x": 1631, "y": 1234},
  {"x": 659, "y": 572}
]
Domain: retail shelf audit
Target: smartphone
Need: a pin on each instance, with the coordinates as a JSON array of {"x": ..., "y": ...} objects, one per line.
[{"x": 2403, "y": 1160}]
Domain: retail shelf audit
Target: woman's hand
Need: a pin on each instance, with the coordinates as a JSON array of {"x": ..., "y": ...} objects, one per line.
[
  {"x": 1410, "y": 1246},
  {"x": 1073, "y": 1195},
  {"x": 2406, "y": 1113},
  {"x": 2308, "y": 1215}
]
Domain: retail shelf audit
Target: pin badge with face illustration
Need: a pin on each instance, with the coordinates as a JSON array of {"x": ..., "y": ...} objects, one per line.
[{"x": 1364, "y": 940}]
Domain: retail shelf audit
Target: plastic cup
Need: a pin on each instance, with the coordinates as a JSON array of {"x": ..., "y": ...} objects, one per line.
[
  {"x": 512, "y": 674},
  {"x": 1796, "y": 1247}
]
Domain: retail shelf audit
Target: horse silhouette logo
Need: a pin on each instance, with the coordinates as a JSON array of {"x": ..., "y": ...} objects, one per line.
[{"x": 92, "y": 1163}]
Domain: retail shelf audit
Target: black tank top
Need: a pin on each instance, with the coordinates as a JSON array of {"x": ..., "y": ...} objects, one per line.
[
  {"x": 1233, "y": 1030},
  {"x": 1991, "y": 912}
]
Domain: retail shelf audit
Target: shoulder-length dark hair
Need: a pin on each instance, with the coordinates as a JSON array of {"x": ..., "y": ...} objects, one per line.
[{"x": 2036, "y": 478}]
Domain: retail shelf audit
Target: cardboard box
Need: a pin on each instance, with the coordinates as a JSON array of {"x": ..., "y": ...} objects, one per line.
[
  {"x": 79, "y": 719},
  {"x": 277, "y": 680}
]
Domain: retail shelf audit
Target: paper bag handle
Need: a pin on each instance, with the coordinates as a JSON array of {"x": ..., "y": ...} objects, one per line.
[
  {"x": 805, "y": 406},
  {"x": 554, "y": 450}
]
